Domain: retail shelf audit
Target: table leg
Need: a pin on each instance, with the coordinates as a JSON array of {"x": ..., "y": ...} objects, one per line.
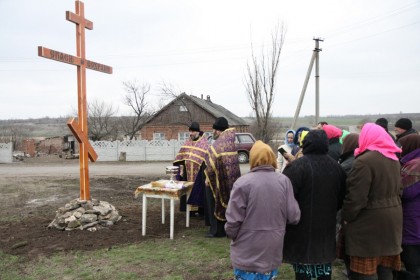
[
  {"x": 163, "y": 210},
  {"x": 187, "y": 224},
  {"x": 171, "y": 233},
  {"x": 143, "y": 216}
]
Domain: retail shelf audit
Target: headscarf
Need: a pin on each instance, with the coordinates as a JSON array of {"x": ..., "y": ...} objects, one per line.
[
  {"x": 332, "y": 131},
  {"x": 261, "y": 154},
  {"x": 299, "y": 130},
  {"x": 350, "y": 143},
  {"x": 302, "y": 136},
  {"x": 285, "y": 138},
  {"x": 374, "y": 138},
  {"x": 343, "y": 135},
  {"x": 409, "y": 143},
  {"x": 410, "y": 171},
  {"x": 315, "y": 142}
]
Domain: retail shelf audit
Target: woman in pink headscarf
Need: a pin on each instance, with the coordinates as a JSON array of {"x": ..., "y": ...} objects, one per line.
[{"x": 372, "y": 211}]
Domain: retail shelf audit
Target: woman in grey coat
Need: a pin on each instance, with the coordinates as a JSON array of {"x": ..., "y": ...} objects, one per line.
[{"x": 260, "y": 205}]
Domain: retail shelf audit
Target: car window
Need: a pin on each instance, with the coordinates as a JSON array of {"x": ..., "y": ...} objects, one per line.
[{"x": 245, "y": 138}]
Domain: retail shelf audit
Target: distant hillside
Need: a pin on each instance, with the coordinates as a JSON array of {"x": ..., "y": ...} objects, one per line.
[
  {"x": 51, "y": 127},
  {"x": 44, "y": 127}
]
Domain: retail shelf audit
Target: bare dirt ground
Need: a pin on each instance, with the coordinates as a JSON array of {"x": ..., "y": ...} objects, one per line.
[{"x": 31, "y": 191}]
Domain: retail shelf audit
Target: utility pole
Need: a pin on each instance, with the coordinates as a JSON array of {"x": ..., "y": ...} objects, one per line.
[{"x": 315, "y": 58}]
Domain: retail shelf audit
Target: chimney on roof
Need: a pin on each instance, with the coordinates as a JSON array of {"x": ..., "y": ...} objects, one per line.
[
  {"x": 208, "y": 98},
  {"x": 201, "y": 96}
]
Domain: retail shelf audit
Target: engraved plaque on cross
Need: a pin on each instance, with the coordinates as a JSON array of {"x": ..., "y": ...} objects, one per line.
[{"x": 79, "y": 128}]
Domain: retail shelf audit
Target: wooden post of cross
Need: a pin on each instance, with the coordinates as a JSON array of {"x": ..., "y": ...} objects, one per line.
[{"x": 79, "y": 128}]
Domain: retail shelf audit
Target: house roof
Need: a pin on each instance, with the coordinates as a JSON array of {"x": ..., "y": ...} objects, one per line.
[{"x": 207, "y": 105}]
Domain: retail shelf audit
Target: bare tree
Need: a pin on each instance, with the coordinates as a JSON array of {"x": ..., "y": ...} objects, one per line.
[
  {"x": 135, "y": 97},
  {"x": 260, "y": 82},
  {"x": 14, "y": 132},
  {"x": 101, "y": 121}
]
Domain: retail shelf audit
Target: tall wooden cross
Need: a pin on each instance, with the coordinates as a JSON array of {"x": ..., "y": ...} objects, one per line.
[{"x": 79, "y": 127}]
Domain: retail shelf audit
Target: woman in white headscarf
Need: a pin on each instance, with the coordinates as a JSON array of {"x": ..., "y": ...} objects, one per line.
[{"x": 287, "y": 146}]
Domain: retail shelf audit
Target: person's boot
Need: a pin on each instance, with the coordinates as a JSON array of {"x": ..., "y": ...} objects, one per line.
[{"x": 385, "y": 273}]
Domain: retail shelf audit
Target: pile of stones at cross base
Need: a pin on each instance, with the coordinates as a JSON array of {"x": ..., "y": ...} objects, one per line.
[{"x": 88, "y": 215}]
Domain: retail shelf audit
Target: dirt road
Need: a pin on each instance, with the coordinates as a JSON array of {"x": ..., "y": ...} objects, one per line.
[{"x": 70, "y": 168}]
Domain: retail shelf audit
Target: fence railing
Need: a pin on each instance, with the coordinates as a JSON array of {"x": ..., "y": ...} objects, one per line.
[
  {"x": 6, "y": 152},
  {"x": 137, "y": 150}
]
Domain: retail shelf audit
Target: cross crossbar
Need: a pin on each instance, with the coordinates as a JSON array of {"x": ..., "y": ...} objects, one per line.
[
  {"x": 74, "y": 60},
  {"x": 79, "y": 20}
]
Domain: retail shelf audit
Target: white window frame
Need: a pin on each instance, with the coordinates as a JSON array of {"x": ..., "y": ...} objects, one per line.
[
  {"x": 183, "y": 136},
  {"x": 158, "y": 136}
]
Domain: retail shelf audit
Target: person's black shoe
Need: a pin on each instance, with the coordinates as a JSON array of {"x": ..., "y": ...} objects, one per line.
[
  {"x": 209, "y": 235},
  {"x": 193, "y": 214}
]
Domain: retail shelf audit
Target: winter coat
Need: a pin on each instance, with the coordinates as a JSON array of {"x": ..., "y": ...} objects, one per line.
[
  {"x": 281, "y": 161},
  {"x": 350, "y": 143},
  {"x": 346, "y": 160},
  {"x": 334, "y": 135},
  {"x": 405, "y": 133},
  {"x": 318, "y": 183},
  {"x": 372, "y": 207},
  {"x": 334, "y": 148},
  {"x": 410, "y": 174},
  {"x": 260, "y": 205}
]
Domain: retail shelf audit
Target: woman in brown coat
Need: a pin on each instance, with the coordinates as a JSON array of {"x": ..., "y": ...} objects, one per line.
[{"x": 372, "y": 211}]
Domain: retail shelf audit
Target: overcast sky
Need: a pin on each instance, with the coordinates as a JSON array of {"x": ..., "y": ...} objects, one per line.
[{"x": 369, "y": 64}]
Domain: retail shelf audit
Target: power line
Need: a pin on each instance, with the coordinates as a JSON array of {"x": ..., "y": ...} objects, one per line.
[
  {"x": 186, "y": 52},
  {"x": 364, "y": 23}
]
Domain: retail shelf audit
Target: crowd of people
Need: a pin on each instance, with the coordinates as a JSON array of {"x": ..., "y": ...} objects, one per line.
[{"x": 327, "y": 194}]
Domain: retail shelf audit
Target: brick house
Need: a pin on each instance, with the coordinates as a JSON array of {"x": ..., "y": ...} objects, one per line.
[{"x": 172, "y": 121}]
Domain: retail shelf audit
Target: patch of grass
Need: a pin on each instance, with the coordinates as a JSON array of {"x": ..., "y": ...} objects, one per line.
[
  {"x": 188, "y": 256},
  {"x": 9, "y": 266}
]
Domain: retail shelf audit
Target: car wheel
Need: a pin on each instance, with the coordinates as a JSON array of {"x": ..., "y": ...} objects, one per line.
[{"x": 242, "y": 157}]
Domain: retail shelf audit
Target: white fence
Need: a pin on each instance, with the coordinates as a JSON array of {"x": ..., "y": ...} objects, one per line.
[
  {"x": 137, "y": 150},
  {"x": 6, "y": 150}
]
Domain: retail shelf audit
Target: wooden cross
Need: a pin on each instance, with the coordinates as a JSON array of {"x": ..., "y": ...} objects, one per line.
[{"x": 79, "y": 128}]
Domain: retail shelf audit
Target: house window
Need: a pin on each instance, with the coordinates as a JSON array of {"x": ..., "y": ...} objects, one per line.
[
  {"x": 183, "y": 108},
  {"x": 158, "y": 136},
  {"x": 183, "y": 136}
]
